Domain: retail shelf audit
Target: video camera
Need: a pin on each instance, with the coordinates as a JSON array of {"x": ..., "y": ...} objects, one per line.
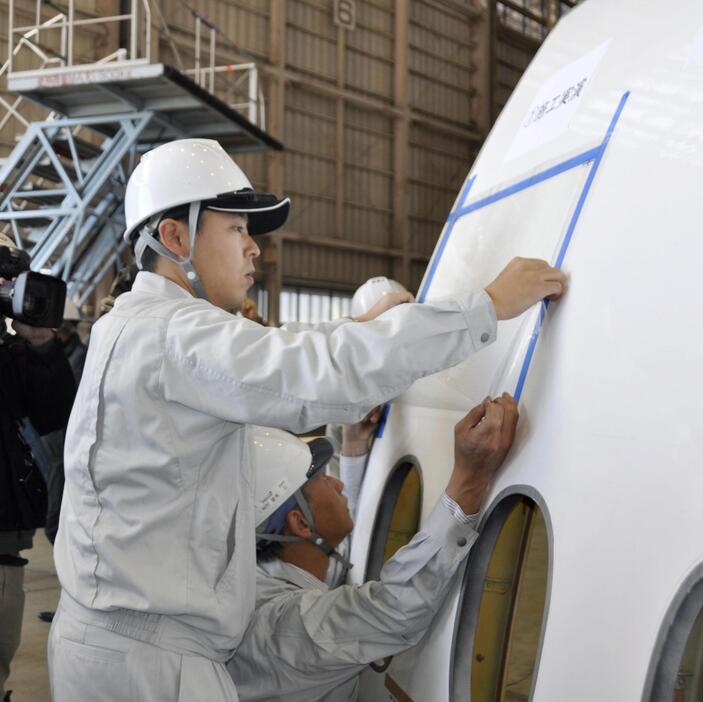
[{"x": 29, "y": 297}]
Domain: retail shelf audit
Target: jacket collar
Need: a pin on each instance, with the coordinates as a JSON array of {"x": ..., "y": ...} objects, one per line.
[
  {"x": 292, "y": 574},
  {"x": 155, "y": 284}
]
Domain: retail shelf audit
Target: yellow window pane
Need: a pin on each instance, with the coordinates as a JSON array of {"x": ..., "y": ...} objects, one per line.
[
  {"x": 511, "y": 611},
  {"x": 689, "y": 682},
  {"x": 406, "y": 515},
  {"x": 397, "y": 518}
]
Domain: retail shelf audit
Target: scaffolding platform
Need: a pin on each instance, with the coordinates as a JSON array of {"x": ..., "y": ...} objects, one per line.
[{"x": 180, "y": 107}]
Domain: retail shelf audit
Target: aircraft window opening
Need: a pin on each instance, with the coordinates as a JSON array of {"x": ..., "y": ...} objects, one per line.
[
  {"x": 689, "y": 679},
  {"x": 397, "y": 516},
  {"x": 502, "y": 612},
  {"x": 676, "y": 670}
]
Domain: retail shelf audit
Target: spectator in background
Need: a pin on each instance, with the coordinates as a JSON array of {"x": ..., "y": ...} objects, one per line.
[
  {"x": 352, "y": 443},
  {"x": 37, "y": 383},
  {"x": 74, "y": 349},
  {"x": 122, "y": 284},
  {"x": 48, "y": 449},
  {"x": 365, "y": 297},
  {"x": 50, "y": 456}
]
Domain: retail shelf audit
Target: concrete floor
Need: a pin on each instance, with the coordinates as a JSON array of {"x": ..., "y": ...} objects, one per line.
[{"x": 29, "y": 679}]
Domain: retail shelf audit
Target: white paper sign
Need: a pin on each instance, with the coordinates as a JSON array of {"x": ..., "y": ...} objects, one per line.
[{"x": 556, "y": 103}]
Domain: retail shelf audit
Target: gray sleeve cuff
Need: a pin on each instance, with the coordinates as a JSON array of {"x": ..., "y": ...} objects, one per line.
[
  {"x": 458, "y": 513},
  {"x": 481, "y": 320},
  {"x": 443, "y": 526}
]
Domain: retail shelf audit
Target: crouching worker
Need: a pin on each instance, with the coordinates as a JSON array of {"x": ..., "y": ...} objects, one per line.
[{"x": 309, "y": 643}]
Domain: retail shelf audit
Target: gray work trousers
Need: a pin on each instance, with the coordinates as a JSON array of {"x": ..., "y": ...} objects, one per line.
[
  {"x": 88, "y": 661},
  {"x": 11, "y": 610}
]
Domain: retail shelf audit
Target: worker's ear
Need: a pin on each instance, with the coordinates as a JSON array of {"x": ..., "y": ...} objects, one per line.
[
  {"x": 174, "y": 236},
  {"x": 297, "y": 524}
]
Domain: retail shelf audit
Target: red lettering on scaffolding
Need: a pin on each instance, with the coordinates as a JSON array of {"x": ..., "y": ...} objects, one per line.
[{"x": 83, "y": 77}]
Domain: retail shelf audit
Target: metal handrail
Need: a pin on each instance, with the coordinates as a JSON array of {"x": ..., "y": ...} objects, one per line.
[
  {"x": 67, "y": 23},
  {"x": 252, "y": 104}
]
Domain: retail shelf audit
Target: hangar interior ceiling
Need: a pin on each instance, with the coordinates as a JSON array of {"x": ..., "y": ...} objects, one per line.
[{"x": 381, "y": 106}]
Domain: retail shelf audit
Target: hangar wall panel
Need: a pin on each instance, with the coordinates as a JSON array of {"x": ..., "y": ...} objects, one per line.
[
  {"x": 369, "y": 51},
  {"x": 436, "y": 165},
  {"x": 327, "y": 268},
  {"x": 368, "y": 176},
  {"x": 441, "y": 61},
  {"x": 311, "y": 38}
]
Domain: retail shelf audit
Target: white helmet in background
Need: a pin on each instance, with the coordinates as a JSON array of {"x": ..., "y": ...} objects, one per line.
[
  {"x": 371, "y": 292},
  {"x": 282, "y": 465},
  {"x": 195, "y": 174}
]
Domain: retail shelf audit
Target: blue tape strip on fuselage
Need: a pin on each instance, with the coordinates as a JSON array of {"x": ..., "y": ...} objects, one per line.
[
  {"x": 565, "y": 244},
  {"x": 530, "y": 182},
  {"x": 595, "y": 156},
  {"x": 445, "y": 238},
  {"x": 383, "y": 421}
]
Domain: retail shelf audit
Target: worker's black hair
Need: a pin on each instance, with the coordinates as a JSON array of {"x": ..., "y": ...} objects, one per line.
[{"x": 269, "y": 552}]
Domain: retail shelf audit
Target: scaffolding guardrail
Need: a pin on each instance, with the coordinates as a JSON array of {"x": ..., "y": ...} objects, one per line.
[{"x": 66, "y": 23}]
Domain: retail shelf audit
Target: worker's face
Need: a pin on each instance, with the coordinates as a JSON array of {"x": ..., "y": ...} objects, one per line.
[
  {"x": 224, "y": 257},
  {"x": 329, "y": 508}
]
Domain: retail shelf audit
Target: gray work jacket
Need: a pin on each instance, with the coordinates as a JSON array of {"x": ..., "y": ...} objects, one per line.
[
  {"x": 308, "y": 644},
  {"x": 158, "y": 509}
]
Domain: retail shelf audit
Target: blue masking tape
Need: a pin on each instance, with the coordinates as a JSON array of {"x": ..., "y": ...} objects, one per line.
[
  {"x": 383, "y": 421},
  {"x": 565, "y": 244},
  {"x": 595, "y": 155},
  {"x": 442, "y": 244},
  {"x": 530, "y": 182}
]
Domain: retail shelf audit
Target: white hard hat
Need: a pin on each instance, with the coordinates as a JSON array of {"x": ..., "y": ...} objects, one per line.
[
  {"x": 282, "y": 464},
  {"x": 197, "y": 170},
  {"x": 371, "y": 292}
]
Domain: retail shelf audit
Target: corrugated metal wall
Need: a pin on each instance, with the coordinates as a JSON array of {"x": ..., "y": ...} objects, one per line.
[{"x": 442, "y": 61}]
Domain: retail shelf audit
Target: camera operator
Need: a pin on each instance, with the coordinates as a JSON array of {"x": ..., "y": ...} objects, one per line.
[{"x": 36, "y": 382}]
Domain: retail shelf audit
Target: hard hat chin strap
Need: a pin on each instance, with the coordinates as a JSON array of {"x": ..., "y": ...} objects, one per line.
[
  {"x": 315, "y": 539},
  {"x": 147, "y": 237}
]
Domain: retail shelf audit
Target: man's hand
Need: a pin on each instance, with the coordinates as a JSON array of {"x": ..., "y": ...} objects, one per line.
[
  {"x": 35, "y": 336},
  {"x": 384, "y": 304},
  {"x": 482, "y": 440},
  {"x": 522, "y": 283},
  {"x": 356, "y": 437}
]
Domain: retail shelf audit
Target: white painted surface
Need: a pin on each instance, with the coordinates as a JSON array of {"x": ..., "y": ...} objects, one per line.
[{"x": 610, "y": 414}]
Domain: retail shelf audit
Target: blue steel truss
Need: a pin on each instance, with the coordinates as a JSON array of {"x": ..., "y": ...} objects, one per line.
[{"x": 62, "y": 195}]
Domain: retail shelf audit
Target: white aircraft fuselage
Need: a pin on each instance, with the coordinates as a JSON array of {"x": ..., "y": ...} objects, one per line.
[{"x": 595, "y": 164}]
